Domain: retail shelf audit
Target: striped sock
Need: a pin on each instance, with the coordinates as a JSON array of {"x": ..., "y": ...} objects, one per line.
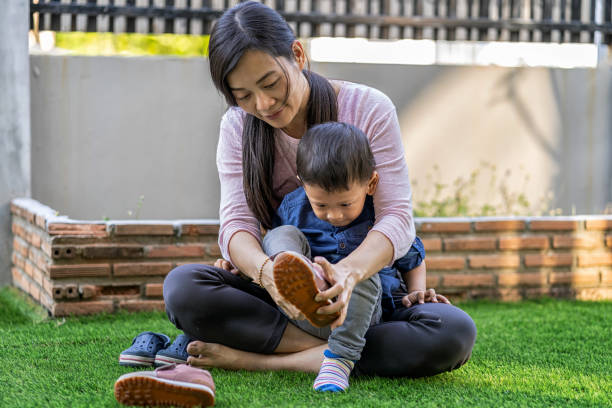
[{"x": 334, "y": 373}]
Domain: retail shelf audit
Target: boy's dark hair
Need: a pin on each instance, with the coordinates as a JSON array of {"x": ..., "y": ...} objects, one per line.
[
  {"x": 255, "y": 26},
  {"x": 334, "y": 155}
]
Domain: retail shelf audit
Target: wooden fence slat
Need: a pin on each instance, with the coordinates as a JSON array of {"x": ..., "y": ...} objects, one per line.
[
  {"x": 592, "y": 8},
  {"x": 299, "y": 25},
  {"x": 168, "y": 23},
  {"x": 607, "y": 20},
  {"x": 576, "y": 15},
  {"x": 451, "y": 13},
  {"x": 483, "y": 12},
  {"x": 349, "y": 30},
  {"x": 436, "y": 13},
  {"x": 417, "y": 10},
  {"x": 515, "y": 13},
  {"x": 92, "y": 21},
  {"x": 334, "y": 10},
  {"x": 470, "y": 15},
  {"x": 206, "y": 24},
  {"x": 384, "y": 9},
  {"x": 546, "y": 16},
  {"x": 130, "y": 22},
  {"x": 564, "y": 5},
  {"x": 111, "y": 19},
  {"x": 55, "y": 18}
]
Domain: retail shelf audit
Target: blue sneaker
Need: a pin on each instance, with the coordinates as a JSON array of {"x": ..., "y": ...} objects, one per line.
[
  {"x": 176, "y": 353},
  {"x": 143, "y": 349}
]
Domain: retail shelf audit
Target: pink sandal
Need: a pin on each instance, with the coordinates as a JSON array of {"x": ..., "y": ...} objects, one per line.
[{"x": 172, "y": 385}]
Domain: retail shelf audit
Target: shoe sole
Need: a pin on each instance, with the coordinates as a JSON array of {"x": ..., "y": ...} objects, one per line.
[
  {"x": 295, "y": 282},
  {"x": 145, "y": 389},
  {"x": 130, "y": 360},
  {"x": 165, "y": 360}
]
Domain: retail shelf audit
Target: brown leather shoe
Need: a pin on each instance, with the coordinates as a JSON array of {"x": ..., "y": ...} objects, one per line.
[
  {"x": 294, "y": 277},
  {"x": 172, "y": 385}
]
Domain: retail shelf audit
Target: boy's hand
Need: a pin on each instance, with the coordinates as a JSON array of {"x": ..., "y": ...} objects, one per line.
[
  {"x": 424, "y": 296},
  {"x": 223, "y": 264},
  {"x": 343, "y": 284}
]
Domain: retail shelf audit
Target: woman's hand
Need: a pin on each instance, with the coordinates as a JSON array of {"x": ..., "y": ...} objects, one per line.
[
  {"x": 423, "y": 296},
  {"x": 267, "y": 280},
  {"x": 343, "y": 281}
]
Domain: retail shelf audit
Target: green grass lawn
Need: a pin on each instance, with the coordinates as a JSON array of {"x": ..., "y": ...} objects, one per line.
[{"x": 540, "y": 353}]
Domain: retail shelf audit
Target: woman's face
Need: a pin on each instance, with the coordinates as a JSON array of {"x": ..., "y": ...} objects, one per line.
[{"x": 259, "y": 86}]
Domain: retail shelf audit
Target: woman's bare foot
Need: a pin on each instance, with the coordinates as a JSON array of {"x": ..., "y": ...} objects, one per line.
[
  {"x": 216, "y": 355},
  {"x": 212, "y": 355}
]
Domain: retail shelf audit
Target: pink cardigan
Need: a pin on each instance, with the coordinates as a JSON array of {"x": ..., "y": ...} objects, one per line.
[{"x": 362, "y": 106}]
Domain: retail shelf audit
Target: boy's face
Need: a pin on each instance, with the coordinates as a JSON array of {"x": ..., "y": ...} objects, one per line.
[{"x": 340, "y": 208}]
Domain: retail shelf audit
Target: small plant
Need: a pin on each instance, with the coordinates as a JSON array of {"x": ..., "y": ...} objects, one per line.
[
  {"x": 131, "y": 213},
  {"x": 136, "y": 213}
]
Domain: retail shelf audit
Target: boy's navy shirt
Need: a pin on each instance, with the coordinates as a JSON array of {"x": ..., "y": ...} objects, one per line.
[{"x": 335, "y": 243}]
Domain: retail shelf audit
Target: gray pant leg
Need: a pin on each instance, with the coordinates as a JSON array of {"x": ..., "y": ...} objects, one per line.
[
  {"x": 364, "y": 307},
  {"x": 364, "y": 310},
  {"x": 319, "y": 332},
  {"x": 285, "y": 238}
]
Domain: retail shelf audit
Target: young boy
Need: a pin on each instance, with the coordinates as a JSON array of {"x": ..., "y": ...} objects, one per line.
[{"x": 330, "y": 216}]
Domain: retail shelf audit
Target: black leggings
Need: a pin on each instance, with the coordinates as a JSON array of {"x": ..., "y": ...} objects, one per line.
[{"x": 215, "y": 306}]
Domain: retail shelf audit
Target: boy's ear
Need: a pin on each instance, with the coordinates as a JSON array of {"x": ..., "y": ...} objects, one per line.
[
  {"x": 372, "y": 183},
  {"x": 299, "y": 180}
]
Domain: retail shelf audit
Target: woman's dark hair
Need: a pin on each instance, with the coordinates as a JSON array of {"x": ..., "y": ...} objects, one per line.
[
  {"x": 333, "y": 156},
  {"x": 254, "y": 26}
]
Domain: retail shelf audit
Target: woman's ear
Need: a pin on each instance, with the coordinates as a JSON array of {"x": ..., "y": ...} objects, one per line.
[
  {"x": 372, "y": 183},
  {"x": 299, "y": 53}
]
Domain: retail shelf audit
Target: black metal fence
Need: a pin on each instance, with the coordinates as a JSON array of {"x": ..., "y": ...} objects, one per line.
[{"x": 478, "y": 20}]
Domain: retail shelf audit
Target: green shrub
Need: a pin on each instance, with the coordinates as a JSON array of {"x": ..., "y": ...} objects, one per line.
[
  {"x": 133, "y": 44},
  {"x": 432, "y": 198}
]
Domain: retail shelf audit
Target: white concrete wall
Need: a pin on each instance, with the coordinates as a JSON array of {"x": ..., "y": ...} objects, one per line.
[
  {"x": 551, "y": 125},
  {"x": 109, "y": 130},
  {"x": 14, "y": 120},
  {"x": 106, "y": 130}
]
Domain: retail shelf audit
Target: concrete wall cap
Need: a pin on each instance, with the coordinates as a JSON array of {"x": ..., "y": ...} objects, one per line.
[
  {"x": 34, "y": 207},
  {"x": 570, "y": 217},
  {"x": 52, "y": 217},
  {"x": 514, "y": 218},
  {"x": 442, "y": 219}
]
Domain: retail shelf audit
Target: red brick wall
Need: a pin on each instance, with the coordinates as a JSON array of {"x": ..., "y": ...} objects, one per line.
[
  {"x": 74, "y": 267},
  {"x": 520, "y": 257}
]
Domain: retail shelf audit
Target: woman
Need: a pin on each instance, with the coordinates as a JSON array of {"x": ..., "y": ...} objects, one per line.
[{"x": 259, "y": 66}]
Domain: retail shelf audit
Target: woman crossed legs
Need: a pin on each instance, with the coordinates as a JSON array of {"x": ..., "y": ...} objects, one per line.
[{"x": 238, "y": 326}]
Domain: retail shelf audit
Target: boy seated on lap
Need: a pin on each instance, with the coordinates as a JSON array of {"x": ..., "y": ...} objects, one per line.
[{"x": 329, "y": 217}]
